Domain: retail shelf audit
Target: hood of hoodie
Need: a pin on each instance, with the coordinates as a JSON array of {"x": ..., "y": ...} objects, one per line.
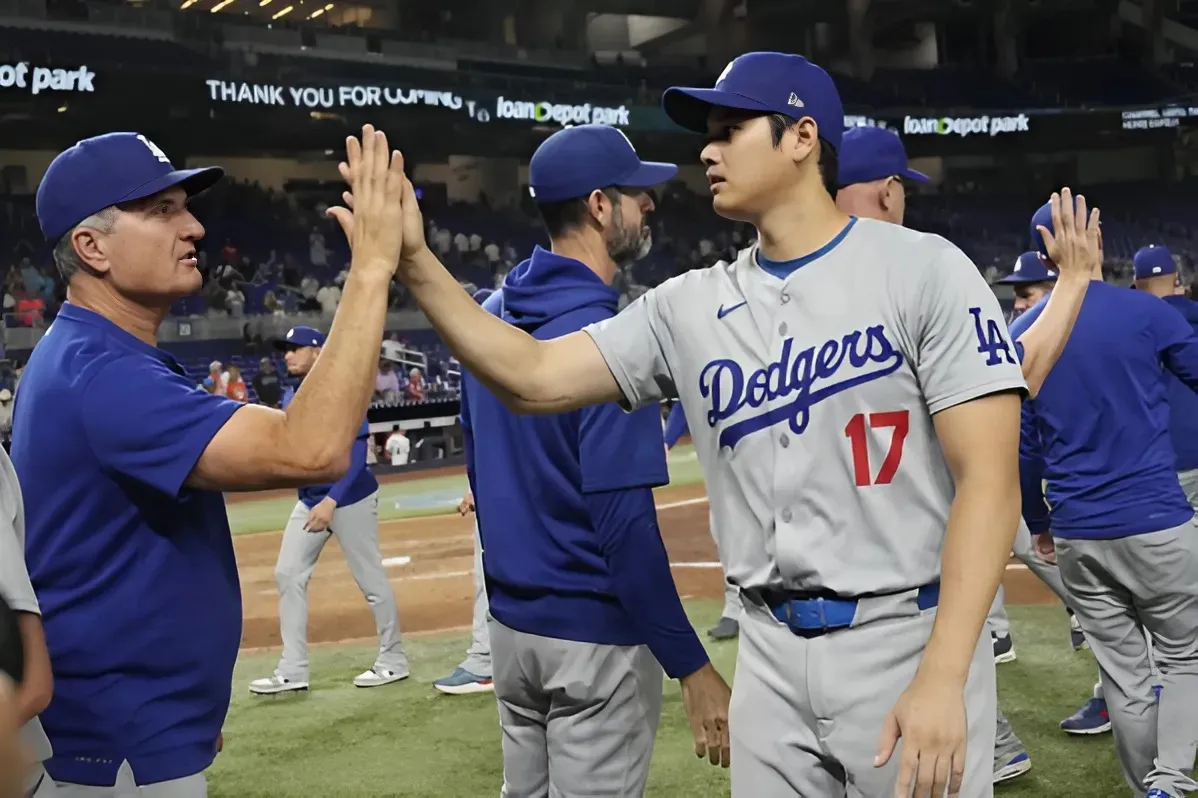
[
  {"x": 547, "y": 286},
  {"x": 1188, "y": 308}
]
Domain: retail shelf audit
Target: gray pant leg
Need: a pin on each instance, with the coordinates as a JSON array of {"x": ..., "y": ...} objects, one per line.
[
  {"x": 357, "y": 529},
  {"x": 194, "y": 786},
  {"x": 478, "y": 655},
  {"x": 1189, "y": 485},
  {"x": 577, "y": 718},
  {"x": 732, "y": 606},
  {"x": 997, "y": 622},
  {"x": 1118, "y": 586},
  {"x": 1006, "y": 742},
  {"x": 297, "y": 559}
]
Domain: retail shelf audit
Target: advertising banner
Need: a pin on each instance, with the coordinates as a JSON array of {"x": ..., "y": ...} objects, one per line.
[{"x": 27, "y": 77}]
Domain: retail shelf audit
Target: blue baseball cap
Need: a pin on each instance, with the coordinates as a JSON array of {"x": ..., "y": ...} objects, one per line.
[
  {"x": 874, "y": 153},
  {"x": 1153, "y": 261},
  {"x": 768, "y": 83},
  {"x": 1043, "y": 217},
  {"x": 107, "y": 170},
  {"x": 298, "y": 337},
  {"x": 1029, "y": 268},
  {"x": 575, "y": 161}
]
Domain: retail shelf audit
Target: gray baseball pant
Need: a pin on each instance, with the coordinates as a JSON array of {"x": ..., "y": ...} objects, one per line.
[
  {"x": 997, "y": 622},
  {"x": 478, "y": 655},
  {"x": 1120, "y": 588},
  {"x": 194, "y": 786},
  {"x": 357, "y": 529},
  {"x": 577, "y": 718}
]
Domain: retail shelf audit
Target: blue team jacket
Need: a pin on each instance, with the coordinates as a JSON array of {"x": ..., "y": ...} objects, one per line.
[
  {"x": 358, "y": 482},
  {"x": 1183, "y": 402},
  {"x": 545, "y": 571},
  {"x": 1101, "y": 419}
]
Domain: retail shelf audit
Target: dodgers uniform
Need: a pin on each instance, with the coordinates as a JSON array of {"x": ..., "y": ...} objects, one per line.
[
  {"x": 1125, "y": 536},
  {"x": 729, "y": 625},
  {"x": 17, "y": 591},
  {"x": 356, "y": 525}
]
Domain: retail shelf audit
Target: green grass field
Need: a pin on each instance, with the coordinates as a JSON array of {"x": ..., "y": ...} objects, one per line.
[{"x": 408, "y": 740}]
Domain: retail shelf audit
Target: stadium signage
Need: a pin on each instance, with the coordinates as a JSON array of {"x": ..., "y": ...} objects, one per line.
[
  {"x": 38, "y": 79},
  {"x": 561, "y": 113},
  {"x": 349, "y": 96},
  {"x": 1154, "y": 118},
  {"x": 965, "y": 125},
  {"x": 851, "y": 121}
]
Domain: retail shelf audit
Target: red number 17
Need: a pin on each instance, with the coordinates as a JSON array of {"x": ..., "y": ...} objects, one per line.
[{"x": 898, "y": 421}]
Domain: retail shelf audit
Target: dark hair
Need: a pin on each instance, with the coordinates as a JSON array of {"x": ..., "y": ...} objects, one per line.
[
  {"x": 561, "y": 217},
  {"x": 829, "y": 163}
]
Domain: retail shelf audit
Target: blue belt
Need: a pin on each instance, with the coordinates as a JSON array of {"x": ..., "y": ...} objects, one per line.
[{"x": 810, "y": 617}]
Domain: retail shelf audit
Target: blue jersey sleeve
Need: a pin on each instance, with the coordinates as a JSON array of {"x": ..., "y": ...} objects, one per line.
[
  {"x": 618, "y": 450},
  {"x": 357, "y": 464},
  {"x": 150, "y": 423},
  {"x": 675, "y": 425},
  {"x": 1176, "y": 342},
  {"x": 1031, "y": 473}
]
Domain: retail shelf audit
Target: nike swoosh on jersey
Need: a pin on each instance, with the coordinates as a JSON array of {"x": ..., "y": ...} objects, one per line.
[{"x": 722, "y": 311}]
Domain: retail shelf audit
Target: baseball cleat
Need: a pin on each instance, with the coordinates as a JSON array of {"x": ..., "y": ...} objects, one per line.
[
  {"x": 1157, "y": 792},
  {"x": 726, "y": 629},
  {"x": 463, "y": 682},
  {"x": 1008, "y": 766},
  {"x": 378, "y": 676},
  {"x": 277, "y": 684},
  {"x": 1076, "y": 637},
  {"x": 1092, "y": 718},
  {"x": 1004, "y": 649}
]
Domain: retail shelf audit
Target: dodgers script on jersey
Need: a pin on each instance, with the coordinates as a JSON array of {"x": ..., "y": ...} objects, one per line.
[{"x": 811, "y": 401}]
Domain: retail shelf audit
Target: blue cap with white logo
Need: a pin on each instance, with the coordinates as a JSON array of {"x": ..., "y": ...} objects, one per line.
[
  {"x": 1153, "y": 261},
  {"x": 107, "y": 170},
  {"x": 768, "y": 83},
  {"x": 874, "y": 153},
  {"x": 575, "y": 161},
  {"x": 298, "y": 337},
  {"x": 1029, "y": 268},
  {"x": 1043, "y": 217}
]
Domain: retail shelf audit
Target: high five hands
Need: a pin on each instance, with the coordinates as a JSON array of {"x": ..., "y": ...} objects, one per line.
[{"x": 381, "y": 215}]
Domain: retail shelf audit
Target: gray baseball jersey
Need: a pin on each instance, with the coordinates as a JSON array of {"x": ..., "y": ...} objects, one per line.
[
  {"x": 14, "y": 578},
  {"x": 811, "y": 398}
]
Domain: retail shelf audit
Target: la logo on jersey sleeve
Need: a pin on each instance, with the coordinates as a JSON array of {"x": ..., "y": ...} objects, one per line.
[{"x": 992, "y": 339}]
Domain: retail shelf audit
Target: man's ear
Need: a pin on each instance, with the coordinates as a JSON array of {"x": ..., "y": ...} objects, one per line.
[
  {"x": 805, "y": 141},
  {"x": 90, "y": 248},
  {"x": 599, "y": 205}
]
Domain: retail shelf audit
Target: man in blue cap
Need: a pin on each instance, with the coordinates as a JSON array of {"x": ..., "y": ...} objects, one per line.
[
  {"x": 853, "y": 393},
  {"x": 123, "y": 461},
  {"x": 873, "y": 168},
  {"x": 1122, "y": 529},
  {"x": 584, "y": 611},
  {"x": 349, "y": 509},
  {"x": 1031, "y": 280}
]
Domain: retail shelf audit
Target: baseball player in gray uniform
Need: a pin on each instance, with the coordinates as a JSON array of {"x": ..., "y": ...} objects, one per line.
[
  {"x": 474, "y": 673},
  {"x": 349, "y": 509},
  {"x": 36, "y": 687},
  {"x": 855, "y": 404}
]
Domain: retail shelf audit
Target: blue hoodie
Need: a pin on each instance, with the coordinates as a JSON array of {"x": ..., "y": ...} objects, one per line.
[
  {"x": 571, "y": 548},
  {"x": 1101, "y": 418},
  {"x": 1183, "y": 402}
]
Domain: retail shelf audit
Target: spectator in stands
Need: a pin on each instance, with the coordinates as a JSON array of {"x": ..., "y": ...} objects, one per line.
[
  {"x": 328, "y": 297},
  {"x": 5, "y": 411},
  {"x": 219, "y": 377},
  {"x": 266, "y": 383},
  {"x": 317, "y": 252},
  {"x": 235, "y": 301},
  {"x": 236, "y": 388},
  {"x": 386, "y": 384},
  {"x": 398, "y": 447},
  {"x": 308, "y": 288},
  {"x": 29, "y": 308},
  {"x": 416, "y": 389}
]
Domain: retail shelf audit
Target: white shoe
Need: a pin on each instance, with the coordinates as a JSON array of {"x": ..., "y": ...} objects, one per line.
[
  {"x": 378, "y": 676},
  {"x": 277, "y": 684}
]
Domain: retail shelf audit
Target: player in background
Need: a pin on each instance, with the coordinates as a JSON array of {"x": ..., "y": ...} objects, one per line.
[
  {"x": 1031, "y": 281},
  {"x": 807, "y": 515},
  {"x": 728, "y": 627},
  {"x": 398, "y": 447},
  {"x": 349, "y": 509},
  {"x": 1122, "y": 527},
  {"x": 37, "y": 682},
  {"x": 584, "y": 611},
  {"x": 14, "y": 766},
  {"x": 123, "y": 462},
  {"x": 473, "y": 674}
]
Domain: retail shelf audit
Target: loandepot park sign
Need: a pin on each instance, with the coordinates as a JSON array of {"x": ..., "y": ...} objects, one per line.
[
  {"x": 38, "y": 80},
  {"x": 965, "y": 125},
  {"x": 367, "y": 96}
]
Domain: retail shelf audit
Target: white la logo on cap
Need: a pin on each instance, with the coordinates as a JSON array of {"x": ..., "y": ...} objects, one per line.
[
  {"x": 621, "y": 132},
  {"x": 1156, "y": 269},
  {"x": 795, "y": 101},
  {"x": 724, "y": 74},
  {"x": 154, "y": 149},
  {"x": 1018, "y": 265},
  {"x": 291, "y": 333}
]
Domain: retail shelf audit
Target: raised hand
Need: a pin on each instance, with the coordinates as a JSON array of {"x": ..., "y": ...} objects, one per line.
[
  {"x": 1074, "y": 244},
  {"x": 372, "y": 217}
]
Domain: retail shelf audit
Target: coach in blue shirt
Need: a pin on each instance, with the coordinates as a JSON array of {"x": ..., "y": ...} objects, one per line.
[
  {"x": 123, "y": 460},
  {"x": 582, "y": 600},
  {"x": 1125, "y": 539}
]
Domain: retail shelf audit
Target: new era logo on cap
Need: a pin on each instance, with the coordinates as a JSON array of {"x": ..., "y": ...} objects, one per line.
[{"x": 794, "y": 100}]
